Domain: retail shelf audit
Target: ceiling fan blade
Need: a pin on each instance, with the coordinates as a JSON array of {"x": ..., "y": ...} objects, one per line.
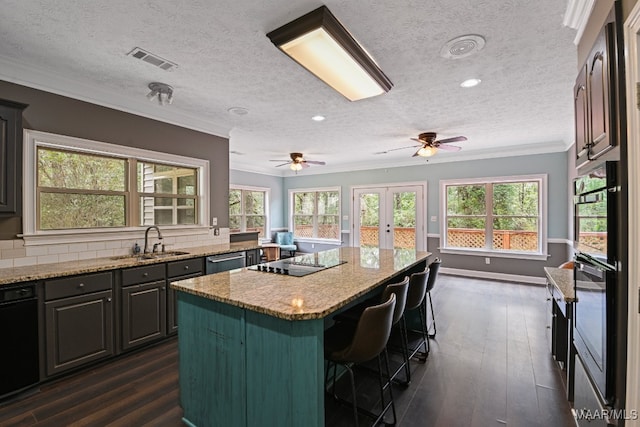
[
  {"x": 280, "y": 160},
  {"x": 304, "y": 164},
  {"x": 282, "y": 164},
  {"x": 449, "y": 147},
  {"x": 454, "y": 139},
  {"x": 314, "y": 162},
  {"x": 416, "y": 154}
]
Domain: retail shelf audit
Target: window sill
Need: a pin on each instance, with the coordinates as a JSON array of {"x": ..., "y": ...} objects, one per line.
[
  {"x": 96, "y": 235},
  {"x": 495, "y": 254}
]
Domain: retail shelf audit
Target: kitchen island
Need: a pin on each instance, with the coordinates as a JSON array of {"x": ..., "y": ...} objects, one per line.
[{"x": 251, "y": 342}]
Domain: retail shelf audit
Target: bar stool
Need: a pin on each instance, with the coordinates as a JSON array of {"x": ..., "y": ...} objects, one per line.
[
  {"x": 433, "y": 274},
  {"x": 347, "y": 343},
  {"x": 400, "y": 290},
  {"x": 415, "y": 298}
]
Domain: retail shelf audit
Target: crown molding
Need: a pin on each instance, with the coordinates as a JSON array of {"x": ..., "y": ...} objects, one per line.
[{"x": 577, "y": 15}]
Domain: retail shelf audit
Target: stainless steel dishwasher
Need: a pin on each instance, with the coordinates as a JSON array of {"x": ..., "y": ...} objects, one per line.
[
  {"x": 225, "y": 262},
  {"x": 19, "y": 367}
]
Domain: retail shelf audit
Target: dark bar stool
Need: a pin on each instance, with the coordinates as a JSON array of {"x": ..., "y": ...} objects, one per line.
[
  {"x": 400, "y": 290},
  {"x": 433, "y": 274},
  {"x": 347, "y": 343},
  {"x": 415, "y": 299}
]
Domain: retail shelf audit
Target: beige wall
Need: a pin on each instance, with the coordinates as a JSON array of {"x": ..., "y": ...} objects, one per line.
[{"x": 48, "y": 112}]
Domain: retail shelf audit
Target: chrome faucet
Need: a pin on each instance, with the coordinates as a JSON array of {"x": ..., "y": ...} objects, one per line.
[{"x": 146, "y": 238}]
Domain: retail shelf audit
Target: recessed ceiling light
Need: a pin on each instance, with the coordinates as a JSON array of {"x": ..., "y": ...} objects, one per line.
[
  {"x": 238, "y": 111},
  {"x": 318, "y": 118},
  {"x": 470, "y": 83}
]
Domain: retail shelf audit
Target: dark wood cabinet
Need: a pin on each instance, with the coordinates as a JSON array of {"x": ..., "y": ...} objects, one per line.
[
  {"x": 179, "y": 270},
  {"x": 581, "y": 119},
  {"x": 143, "y": 313},
  {"x": 11, "y": 158},
  {"x": 253, "y": 257},
  {"x": 78, "y": 321}
]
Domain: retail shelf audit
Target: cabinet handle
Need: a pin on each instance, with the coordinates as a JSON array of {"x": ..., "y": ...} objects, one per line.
[
  {"x": 145, "y": 274},
  {"x": 186, "y": 267},
  {"x": 81, "y": 285},
  {"x": 163, "y": 288},
  {"x": 108, "y": 299}
]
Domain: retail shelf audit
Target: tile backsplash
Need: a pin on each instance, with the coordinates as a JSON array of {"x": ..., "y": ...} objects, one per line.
[{"x": 13, "y": 253}]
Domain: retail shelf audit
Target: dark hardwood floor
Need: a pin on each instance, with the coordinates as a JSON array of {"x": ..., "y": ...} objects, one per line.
[{"x": 489, "y": 366}]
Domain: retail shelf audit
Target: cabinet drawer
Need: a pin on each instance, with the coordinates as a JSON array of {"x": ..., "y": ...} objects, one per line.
[
  {"x": 148, "y": 273},
  {"x": 181, "y": 268},
  {"x": 78, "y": 285}
]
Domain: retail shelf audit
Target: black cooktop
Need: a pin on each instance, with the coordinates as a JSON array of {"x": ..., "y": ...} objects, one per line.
[{"x": 293, "y": 268}]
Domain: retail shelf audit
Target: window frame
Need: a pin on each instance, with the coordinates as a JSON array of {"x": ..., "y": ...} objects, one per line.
[
  {"x": 243, "y": 215},
  {"x": 34, "y": 139},
  {"x": 315, "y": 215},
  {"x": 540, "y": 254}
]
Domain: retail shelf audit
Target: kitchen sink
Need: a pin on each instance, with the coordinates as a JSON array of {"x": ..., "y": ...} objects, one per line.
[{"x": 156, "y": 255}]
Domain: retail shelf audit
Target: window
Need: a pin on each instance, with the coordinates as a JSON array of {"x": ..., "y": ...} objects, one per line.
[
  {"x": 498, "y": 215},
  {"x": 248, "y": 210},
  {"x": 78, "y": 184},
  {"x": 316, "y": 214}
]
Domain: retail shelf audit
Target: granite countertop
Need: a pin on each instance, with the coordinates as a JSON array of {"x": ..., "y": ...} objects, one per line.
[
  {"x": 310, "y": 297},
  {"x": 562, "y": 279},
  {"x": 46, "y": 271}
]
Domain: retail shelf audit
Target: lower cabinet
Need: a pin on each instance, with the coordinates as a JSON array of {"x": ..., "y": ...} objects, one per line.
[
  {"x": 78, "y": 321},
  {"x": 143, "y": 313},
  {"x": 179, "y": 270},
  {"x": 253, "y": 257}
]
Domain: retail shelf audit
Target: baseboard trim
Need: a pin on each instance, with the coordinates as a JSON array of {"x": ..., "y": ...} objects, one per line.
[{"x": 494, "y": 276}]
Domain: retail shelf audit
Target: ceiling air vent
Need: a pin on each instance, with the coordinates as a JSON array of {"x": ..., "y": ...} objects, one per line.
[{"x": 152, "y": 59}]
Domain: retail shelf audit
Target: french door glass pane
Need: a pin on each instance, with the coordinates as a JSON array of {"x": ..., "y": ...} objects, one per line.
[
  {"x": 404, "y": 220},
  {"x": 370, "y": 220}
]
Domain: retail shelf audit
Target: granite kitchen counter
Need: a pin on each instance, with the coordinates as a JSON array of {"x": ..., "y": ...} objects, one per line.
[
  {"x": 310, "y": 297},
  {"x": 46, "y": 271},
  {"x": 562, "y": 279}
]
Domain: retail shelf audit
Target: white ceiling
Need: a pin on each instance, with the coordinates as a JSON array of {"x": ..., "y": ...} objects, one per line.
[{"x": 524, "y": 104}]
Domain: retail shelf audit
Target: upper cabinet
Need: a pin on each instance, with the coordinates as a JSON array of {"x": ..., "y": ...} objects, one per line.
[
  {"x": 10, "y": 158},
  {"x": 598, "y": 98}
]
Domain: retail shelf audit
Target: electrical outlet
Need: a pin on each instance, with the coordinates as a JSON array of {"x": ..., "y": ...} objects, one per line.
[
  {"x": 313, "y": 246},
  {"x": 216, "y": 231},
  {"x": 214, "y": 221},
  {"x": 487, "y": 260},
  {"x": 345, "y": 217},
  {"x": 434, "y": 218}
]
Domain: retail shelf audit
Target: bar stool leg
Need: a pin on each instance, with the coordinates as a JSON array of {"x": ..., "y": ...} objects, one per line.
[{"x": 433, "y": 317}]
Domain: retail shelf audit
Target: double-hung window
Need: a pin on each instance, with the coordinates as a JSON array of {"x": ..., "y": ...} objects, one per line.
[
  {"x": 80, "y": 185},
  {"x": 248, "y": 207},
  {"x": 315, "y": 213},
  {"x": 503, "y": 216}
]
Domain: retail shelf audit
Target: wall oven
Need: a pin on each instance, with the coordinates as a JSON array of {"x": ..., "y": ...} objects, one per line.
[{"x": 595, "y": 275}]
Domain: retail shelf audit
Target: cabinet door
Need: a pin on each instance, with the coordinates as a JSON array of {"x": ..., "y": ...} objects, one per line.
[
  {"x": 172, "y": 304},
  {"x": 10, "y": 157},
  {"x": 79, "y": 330},
  {"x": 143, "y": 313},
  {"x": 581, "y": 120},
  {"x": 599, "y": 96},
  {"x": 549, "y": 317},
  {"x": 252, "y": 257}
]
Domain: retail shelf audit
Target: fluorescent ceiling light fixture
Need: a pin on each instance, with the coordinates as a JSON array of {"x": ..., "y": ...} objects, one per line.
[
  {"x": 318, "y": 118},
  {"x": 470, "y": 83},
  {"x": 320, "y": 43}
]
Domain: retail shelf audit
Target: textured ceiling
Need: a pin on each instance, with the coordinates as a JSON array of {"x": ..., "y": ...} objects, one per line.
[{"x": 79, "y": 48}]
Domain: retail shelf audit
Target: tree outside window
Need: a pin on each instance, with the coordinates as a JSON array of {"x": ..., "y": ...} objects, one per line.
[{"x": 316, "y": 214}]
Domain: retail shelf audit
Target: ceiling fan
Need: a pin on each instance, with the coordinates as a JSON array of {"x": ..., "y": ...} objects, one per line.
[
  {"x": 298, "y": 162},
  {"x": 430, "y": 146}
]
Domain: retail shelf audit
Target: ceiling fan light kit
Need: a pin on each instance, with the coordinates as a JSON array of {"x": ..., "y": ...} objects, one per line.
[
  {"x": 162, "y": 91},
  {"x": 426, "y": 151},
  {"x": 322, "y": 45},
  {"x": 298, "y": 162}
]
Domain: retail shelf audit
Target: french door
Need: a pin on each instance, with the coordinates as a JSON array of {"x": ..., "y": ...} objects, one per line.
[{"x": 391, "y": 217}]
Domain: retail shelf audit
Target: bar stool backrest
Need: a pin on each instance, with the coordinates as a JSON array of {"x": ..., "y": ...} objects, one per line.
[
  {"x": 433, "y": 273},
  {"x": 400, "y": 290},
  {"x": 372, "y": 333},
  {"x": 417, "y": 289}
]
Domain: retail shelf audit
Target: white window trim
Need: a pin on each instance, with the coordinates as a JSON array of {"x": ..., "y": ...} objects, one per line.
[
  {"x": 315, "y": 190},
  {"x": 267, "y": 207},
  {"x": 32, "y": 236},
  {"x": 543, "y": 252}
]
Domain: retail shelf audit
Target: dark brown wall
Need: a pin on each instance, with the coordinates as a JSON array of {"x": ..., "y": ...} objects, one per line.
[{"x": 48, "y": 112}]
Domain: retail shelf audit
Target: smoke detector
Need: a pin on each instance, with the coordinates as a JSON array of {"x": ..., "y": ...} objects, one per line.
[{"x": 462, "y": 46}]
